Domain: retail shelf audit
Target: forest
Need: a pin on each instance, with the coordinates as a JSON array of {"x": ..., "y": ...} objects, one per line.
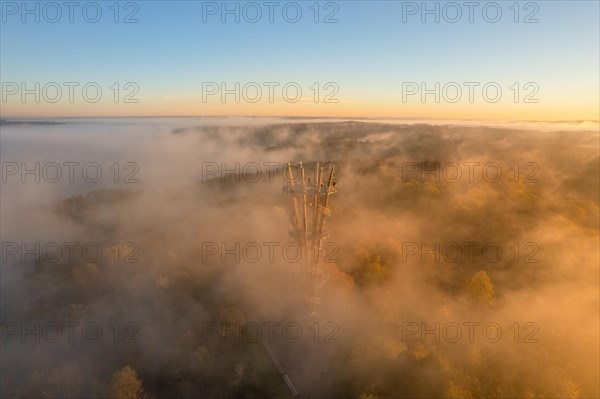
[{"x": 463, "y": 263}]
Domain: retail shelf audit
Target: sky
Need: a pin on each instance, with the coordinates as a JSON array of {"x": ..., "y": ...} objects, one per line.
[{"x": 502, "y": 60}]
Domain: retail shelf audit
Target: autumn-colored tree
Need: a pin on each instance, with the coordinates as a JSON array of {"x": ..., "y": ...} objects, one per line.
[
  {"x": 456, "y": 390},
  {"x": 125, "y": 384},
  {"x": 372, "y": 270},
  {"x": 480, "y": 287}
]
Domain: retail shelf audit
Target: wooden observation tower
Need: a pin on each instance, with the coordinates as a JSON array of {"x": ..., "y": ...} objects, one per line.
[{"x": 310, "y": 188}]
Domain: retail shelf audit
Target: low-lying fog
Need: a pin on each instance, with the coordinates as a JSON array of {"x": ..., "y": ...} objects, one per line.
[{"x": 462, "y": 260}]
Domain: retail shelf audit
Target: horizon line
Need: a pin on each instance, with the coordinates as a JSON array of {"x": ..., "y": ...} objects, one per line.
[{"x": 6, "y": 118}]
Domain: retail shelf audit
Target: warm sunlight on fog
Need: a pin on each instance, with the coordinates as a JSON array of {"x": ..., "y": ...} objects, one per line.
[{"x": 416, "y": 286}]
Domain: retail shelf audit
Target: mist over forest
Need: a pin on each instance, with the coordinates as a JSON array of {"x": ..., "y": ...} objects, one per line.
[{"x": 462, "y": 261}]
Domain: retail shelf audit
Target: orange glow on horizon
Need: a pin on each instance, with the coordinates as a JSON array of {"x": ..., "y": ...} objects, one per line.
[{"x": 349, "y": 109}]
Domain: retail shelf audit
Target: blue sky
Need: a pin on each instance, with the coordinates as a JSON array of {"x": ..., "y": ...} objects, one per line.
[{"x": 368, "y": 53}]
